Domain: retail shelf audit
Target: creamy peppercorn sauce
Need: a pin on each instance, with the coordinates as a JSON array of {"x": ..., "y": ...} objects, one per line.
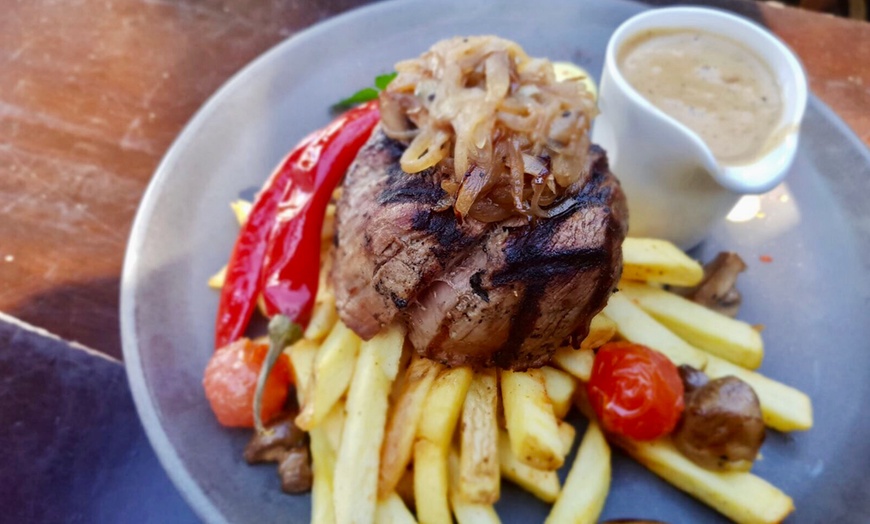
[{"x": 714, "y": 85}]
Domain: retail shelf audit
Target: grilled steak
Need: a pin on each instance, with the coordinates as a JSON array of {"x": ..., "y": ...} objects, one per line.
[{"x": 505, "y": 294}]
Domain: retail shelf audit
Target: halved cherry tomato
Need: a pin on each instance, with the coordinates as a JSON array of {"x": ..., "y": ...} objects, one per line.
[
  {"x": 635, "y": 391},
  {"x": 231, "y": 379}
]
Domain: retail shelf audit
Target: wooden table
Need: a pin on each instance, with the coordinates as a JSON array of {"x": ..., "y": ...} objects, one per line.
[{"x": 92, "y": 93}]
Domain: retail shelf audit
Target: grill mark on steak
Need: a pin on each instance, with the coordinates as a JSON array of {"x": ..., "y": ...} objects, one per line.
[
  {"x": 541, "y": 267},
  {"x": 616, "y": 229},
  {"x": 531, "y": 259},
  {"x": 442, "y": 225},
  {"x": 529, "y": 309},
  {"x": 476, "y": 283},
  {"x": 416, "y": 188},
  {"x": 536, "y": 271},
  {"x": 444, "y": 228}
]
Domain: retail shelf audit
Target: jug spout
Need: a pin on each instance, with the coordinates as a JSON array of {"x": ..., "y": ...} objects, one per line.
[{"x": 763, "y": 174}]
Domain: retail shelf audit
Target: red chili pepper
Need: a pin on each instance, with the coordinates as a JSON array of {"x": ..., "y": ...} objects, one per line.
[
  {"x": 292, "y": 265},
  {"x": 242, "y": 284},
  {"x": 279, "y": 243}
]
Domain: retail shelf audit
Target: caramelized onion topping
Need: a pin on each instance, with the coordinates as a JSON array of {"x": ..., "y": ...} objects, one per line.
[{"x": 511, "y": 137}]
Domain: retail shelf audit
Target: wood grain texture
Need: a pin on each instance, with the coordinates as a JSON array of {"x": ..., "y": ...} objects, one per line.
[{"x": 92, "y": 93}]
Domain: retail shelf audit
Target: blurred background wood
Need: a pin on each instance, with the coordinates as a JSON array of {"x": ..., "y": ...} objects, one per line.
[
  {"x": 856, "y": 9},
  {"x": 92, "y": 93},
  {"x": 836, "y": 56}
]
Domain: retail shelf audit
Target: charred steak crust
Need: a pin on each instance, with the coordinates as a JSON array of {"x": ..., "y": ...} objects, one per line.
[
  {"x": 390, "y": 243},
  {"x": 505, "y": 294}
]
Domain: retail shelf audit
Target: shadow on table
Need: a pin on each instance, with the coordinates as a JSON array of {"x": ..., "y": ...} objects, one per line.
[{"x": 85, "y": 312}]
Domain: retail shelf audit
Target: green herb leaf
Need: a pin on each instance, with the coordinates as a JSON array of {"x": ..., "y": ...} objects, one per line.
[
  {"x": 363, "y": 95},
  {"x": 282, "y": 333},
  {"x": 382, "y": 81},
  {"x": 366, "y": 94}
]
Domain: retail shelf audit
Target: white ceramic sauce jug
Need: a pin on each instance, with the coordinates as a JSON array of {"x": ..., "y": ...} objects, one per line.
[{"x": 676, "y": 188}]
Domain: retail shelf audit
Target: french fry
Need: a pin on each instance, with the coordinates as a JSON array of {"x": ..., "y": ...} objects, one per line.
[
  {"x": 333, "y": 370},
  {"x": 444, "y": 404},
  {"x": 560, "y": 388},
  {"x": 783, "y": 408},
  {"x": 333, "y": 425},
  {"x": 531, "y": 422},
  {"x": 541, "y": 483},
  {"x": 356, "y": 469},
  {"x": 431, "y": 483},
  {"x": 601, "y": 330},
  {"x": 323, "y": 465},
  {"x": 241, "y": 209},
  {"x": 653, "y": 260},
  {"x": 392, "y": 510},
  {"x": 740, "y": 496},
  {"x": 723, "y": 336},
  {"x": 404, "y": 418},
  {"x": 472, "y": 513},
  {"x": 398, "y": 384},
  {"x": 636, "y": 325},
  {"x": 577, "y": 362},
  {"x": 217, "y": 280},
  {"x": 323, "y": 317},
  {"x": 467, "y": 512},
  {"x": 302, "y": 355},
  {"x": 479, "y": 479},
  {"x": 585, "y": 491}
]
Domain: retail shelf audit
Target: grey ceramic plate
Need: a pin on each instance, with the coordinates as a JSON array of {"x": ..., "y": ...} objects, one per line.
[{"x": 812, "y": 297}]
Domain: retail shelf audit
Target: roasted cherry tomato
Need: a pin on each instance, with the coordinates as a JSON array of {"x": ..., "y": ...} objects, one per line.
[
  {"x": 231, "y": 379},
  {"x": 635, "y": 391}
]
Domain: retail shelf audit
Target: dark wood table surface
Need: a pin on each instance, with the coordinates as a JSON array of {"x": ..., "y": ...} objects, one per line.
[{"x": 92, "y": 93}]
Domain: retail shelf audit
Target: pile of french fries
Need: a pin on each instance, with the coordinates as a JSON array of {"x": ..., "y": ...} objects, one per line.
[{"x": 397, "y": 438}]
